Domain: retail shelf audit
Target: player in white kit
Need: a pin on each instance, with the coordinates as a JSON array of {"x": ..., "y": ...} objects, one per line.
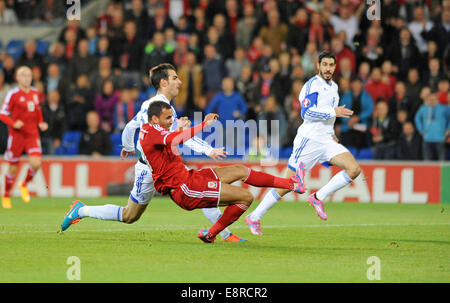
[
  {"x": 164, "y": 78},
  {"x": 315, "y": 141}
]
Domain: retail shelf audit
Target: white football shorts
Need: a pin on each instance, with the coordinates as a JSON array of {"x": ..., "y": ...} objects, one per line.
[
  {"x": 143, "y": 189},
  {"x": 311, "y": 152}
]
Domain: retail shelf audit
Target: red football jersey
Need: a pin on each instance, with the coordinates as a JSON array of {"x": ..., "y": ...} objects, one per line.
[
  {"x": 168, "y": 168},
  {"x": 161, "y": 153},
  {"x": 19, "y": 105}
]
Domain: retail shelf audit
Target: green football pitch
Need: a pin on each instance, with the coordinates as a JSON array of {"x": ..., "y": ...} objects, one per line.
[{"x": 358, "y": 243}]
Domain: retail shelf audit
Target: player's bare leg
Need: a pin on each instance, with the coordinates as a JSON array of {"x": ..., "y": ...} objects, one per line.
[
  {"x": 351, "y": 170},
  {"x": 35, "y": 165},
  {"x": 9, "y": 182},
  {"x": 237, "y": 200},
  {"x": 133, "y": 211}
]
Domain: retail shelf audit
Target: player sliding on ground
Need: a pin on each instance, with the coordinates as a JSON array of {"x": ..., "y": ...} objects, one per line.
[
  {"x": 316, "y": 142},
  {"x": 205, "y": 188}
]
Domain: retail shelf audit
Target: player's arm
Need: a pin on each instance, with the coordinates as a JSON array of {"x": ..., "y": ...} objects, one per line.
[
  {"x": 128, "y": 137},
  {"x": 310, "y": 111},
  {"x": 5, "y": 113},
  {"x": 178, "y": 137},
  {"x": 43, "y": 126}
]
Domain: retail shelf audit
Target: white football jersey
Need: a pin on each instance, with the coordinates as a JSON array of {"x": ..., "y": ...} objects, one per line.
[{"x": 318, "y": 98}]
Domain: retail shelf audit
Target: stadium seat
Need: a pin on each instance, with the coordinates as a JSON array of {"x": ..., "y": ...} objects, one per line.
[
  {"x": 354, "y": 151},
  {"x": 365, "y": 154},
  {"x": 286, "y": 152},
  {"x": 42, "y": 47},
  {"x": 69, "y": 145},
  {"x": 15, "y": 48},
  {"x": 116, "y": 141}
]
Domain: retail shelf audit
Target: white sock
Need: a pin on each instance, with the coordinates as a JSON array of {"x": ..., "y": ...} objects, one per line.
[
  {"x": 105, "y": 212},
  {"x": 269, "y": 200},
  {"x": 213, "y": 214},
  {"x": 339, "y": 180}
]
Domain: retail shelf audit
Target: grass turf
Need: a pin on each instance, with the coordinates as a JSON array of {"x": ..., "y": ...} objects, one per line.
[{"x": 411, "y": 241}]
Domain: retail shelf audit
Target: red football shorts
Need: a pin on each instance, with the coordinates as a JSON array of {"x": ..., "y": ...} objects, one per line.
[
  {"x": 17, "y": 144},
  {"x": 201, "y": 190}
]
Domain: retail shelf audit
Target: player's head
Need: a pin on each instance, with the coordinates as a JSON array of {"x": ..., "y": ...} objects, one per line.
[
  {"x": 165, "y": 80},
  {"x": 160, "y": 112},
  {"x": 24, "y": 77},
  {"x": 326, "y": 65}
]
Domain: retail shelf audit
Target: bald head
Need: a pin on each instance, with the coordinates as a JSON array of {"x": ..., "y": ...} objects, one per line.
[{"x": 24, "y": 77}]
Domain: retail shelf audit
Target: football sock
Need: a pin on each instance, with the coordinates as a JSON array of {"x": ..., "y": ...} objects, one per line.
[
  {"x": 105, "y": 212},
  {"x": 213, "y": 214},
  {"x": 338, "y": 181},
  {"x": 30, "y": 174},
  {"x": 262, "y": 179},
  {"x": 9, "y": 182},
  {"x": 269, "y": 200},
  {"x": 230, "y": 214}
]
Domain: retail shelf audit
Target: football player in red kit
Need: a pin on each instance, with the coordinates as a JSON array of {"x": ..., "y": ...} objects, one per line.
[
  {"x": 22, "y": 113},
  {"x": 204, "y": 188}
]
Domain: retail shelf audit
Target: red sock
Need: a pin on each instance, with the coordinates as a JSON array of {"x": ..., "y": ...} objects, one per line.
[
  {"x": 30, "y": 174},
  {"x": 9, "y": 182},
  {"x": 262, "y": 179},
  {"x": 230, "y": 214}
]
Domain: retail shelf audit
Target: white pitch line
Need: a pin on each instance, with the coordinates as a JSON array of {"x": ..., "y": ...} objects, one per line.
[{"x": 189, "y": 227}]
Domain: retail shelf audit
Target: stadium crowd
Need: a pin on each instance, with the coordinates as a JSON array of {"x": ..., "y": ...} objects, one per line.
[{"x": 245, "y": 60}]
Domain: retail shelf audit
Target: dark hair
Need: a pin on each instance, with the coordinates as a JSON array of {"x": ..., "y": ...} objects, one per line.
[
  {"x": 155, "y": 108},
  {"x": 160, "y": 72},
  {"x": 326, "y": 54}
]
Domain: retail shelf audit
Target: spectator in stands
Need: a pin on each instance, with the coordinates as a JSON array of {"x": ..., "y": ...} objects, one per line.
[
  {"x": 274, "y": 116},
  {"x": 191, "y": 75},
  {"x": 105, "y": 104},
  {"x": 92, "y": 38},
  {"x": 376, "y": 87},
  {"x": 232, "y": 15},
  {"x": 364, "y": 72},
  {"x": 442, "y": 91},
  {"x": 181, "y": 51},
  {"x": 308, "y": 60},
  {"x": 50, "y": 10},
  {"x": 7, "y": 15},
  {"x": 9, "y": 70},
  {"x": 56, "y": 81},
  {"x": 354, "y": 129},
  {"x": 347, "y": 21},
  {"x": 56, "y": 55},
  {"x": 417, "y": 26},
  {"x": 183, "y": 26},
  {"x": 433, "y": 123},
  {"x": 79, "y": 103},
  {"x": 410, "y": 143},
  {"x": 230, "y": 106},
  {"x": 132, "y": 48},
  {"x": 245, "y": 27},
  {"x": 53, "y": 113},
  {"x": 103, "y": 73},
  {"x": 342, "y": 52},
  {"x": 292, "y": 108},
  {"x": 385, "y": 132},
  {"x": 404, "y": 53},
  {"x": 94, "y": 140},
  {"x": 30, "y": 57},
  {"x": 440, "y": 32},
  {"x": 234, "y": 65},
  {"x": 318, "y": 32},
  {"x": 400, "y": 100},
  {"x": 371, "y": 49},
  {"x": 433, "y": 74},
  {"x": 70, "y": 42},
  {"x": 82, "y": 62},
  {"x": 275, "y": 33},
  {"x": 116, "y": 36},
  {"x": 74, "y": 27},
  {"x": 159, "y": 22},
  {"x": 213, "y": 71},
  {"x": 225, "y": 44},
  {"x": 156, "y": 53},
  {"x": 247, "y": 88},
  {"x": 388, "y": 72},
  {"x": 139, "y": 16},
  {"x": 256, "y": 49},
  {"x": 126, "y": 109},
  {"x": 297, "y": 37},
  {"x": 103, "y": 49}
]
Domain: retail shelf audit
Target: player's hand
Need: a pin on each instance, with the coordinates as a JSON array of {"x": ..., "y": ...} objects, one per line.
[
  {"x": 18, "y": 124},
  {"x": 125, "y": 154},
  {"x": 210, "y": 118},
  {"x": 183, "y": 123},
  {"x": 343, "y": 112},
  {"x": 43, "y": 126},
  {"x": 218, "y": 153}
]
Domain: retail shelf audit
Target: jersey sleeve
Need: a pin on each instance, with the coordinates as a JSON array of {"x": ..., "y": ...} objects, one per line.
[
  {"x": 309, "y": 110},
  {"x": 6, "y": 109}
]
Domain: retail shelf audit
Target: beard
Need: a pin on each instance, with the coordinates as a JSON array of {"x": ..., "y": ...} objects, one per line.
[{"x": 326, "y": 76}]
